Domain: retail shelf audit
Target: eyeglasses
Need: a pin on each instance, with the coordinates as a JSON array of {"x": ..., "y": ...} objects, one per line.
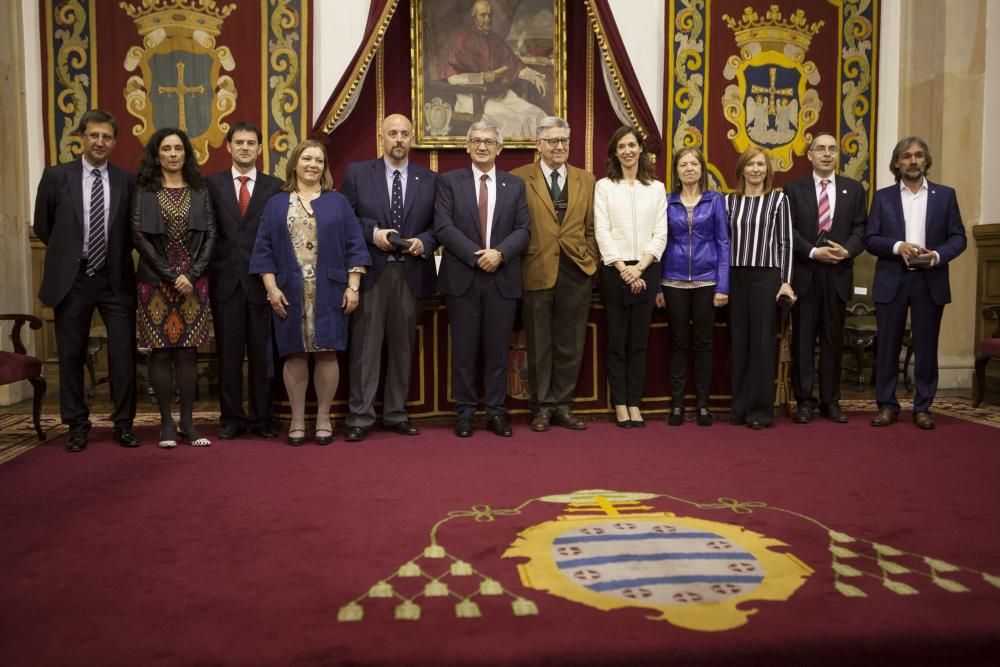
[
  {"x": 489, "y": 143},
  {"x": 99, "y": 136},
  {"x": 556, "y": 142},
  {"x": 832, "y": 150}
]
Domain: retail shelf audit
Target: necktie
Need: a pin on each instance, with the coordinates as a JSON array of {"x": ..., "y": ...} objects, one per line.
[
  {"x": 396, "y": 203},
  {"x": 244, "y": 194},
  {"x": 555, "y": 186},
  {"x": 484, "y": 209},
  {"x": 96, "y": 242},
  {"x": 824, "y": 206}
]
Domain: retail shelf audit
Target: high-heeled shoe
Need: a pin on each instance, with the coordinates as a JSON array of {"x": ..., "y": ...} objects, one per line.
[
  {"x": 193, "y": 438},
  {"x": 327, "y": 436},
  {"x": 296, "y": 440},
  {"x": 168, "y": 436},
  {"x": 623, "y": 423}
]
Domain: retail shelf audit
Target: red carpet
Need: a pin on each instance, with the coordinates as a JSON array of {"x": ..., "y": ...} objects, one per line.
[{"x": 245, "y": 553}]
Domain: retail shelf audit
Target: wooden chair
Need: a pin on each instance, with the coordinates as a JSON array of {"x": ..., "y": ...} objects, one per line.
[
  {"x": 989, "y": 348},
  {"x": 19, "y": 365}
]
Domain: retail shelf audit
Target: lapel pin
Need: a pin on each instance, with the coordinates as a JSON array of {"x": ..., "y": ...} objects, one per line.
[
  {"x": 933, "y": 192},
  {"x": 843, "y": 192}
]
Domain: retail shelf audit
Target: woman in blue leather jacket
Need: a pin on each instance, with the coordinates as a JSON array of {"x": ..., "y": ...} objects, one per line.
[{"x": 694, "y": 278}]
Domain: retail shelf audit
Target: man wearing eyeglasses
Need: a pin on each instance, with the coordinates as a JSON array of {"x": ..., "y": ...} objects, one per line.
[
  {"x": 556, "y": 274},
  {"x": 828, "y": 228},
  {"x": 82, "y": 217},
  {"x": 481, "y": 220}
]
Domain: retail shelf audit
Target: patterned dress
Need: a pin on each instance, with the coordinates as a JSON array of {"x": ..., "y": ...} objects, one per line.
[
  {"x": 166, "y": 318},
  {"x": 302, "y": 231}
]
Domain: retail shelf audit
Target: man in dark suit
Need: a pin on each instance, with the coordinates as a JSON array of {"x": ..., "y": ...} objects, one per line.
[
  {"x": 481, "y": 219},
  {"x": 915, "y": 229},
  {"x": 240, "y": 314},
  {"x": 828, "y": 227},
  {"x": 557, "y": 270},
  {"x": 82, "y": 217},
  {"x": 394, "y": 200}
]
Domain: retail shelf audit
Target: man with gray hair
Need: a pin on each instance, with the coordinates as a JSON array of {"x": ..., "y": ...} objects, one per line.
[
  {"x": 481, "y": 220},
  {"x": 915, "y": 229},
  {"x": 556, "y": 274}
]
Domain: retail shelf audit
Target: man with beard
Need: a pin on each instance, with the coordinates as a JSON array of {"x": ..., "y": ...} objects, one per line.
[
  {"x": 915, "y": 229},
  {"x": 241, "y": 316},
  {"x": 828, "y": 228},
  {"x": 479, "y": 56},
  {"x": 394, "y": 202}
]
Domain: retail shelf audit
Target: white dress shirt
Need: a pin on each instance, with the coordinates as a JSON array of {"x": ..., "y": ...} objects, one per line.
[
  {"x": 252, "y": 175},
  {"x": 88, "y": 185},
  {"x": 491, "y": 191}
]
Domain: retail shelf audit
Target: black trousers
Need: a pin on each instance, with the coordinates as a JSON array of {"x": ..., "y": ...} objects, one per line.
[
  {"x": 691, "y": 317},
  {"x": 628, "y": 333},
  {"x": 72, "y": 325},
  {"x": 242, "y": 327},
  {"x": 752, "y": 330},
  {"x": 818, "y": 312},
  {"x": 481, "y": 320}
]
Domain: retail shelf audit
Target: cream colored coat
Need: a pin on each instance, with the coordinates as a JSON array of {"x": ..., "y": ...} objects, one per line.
[{"x": 575, "y": 236}]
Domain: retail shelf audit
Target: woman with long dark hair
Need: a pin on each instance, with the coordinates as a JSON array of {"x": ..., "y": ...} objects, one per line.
[
  {"x": 694, "y": 280},
  {"x": 173, "y": 228},
  {"x": 760, "y": 242},
  {"x": 630, "y": 223},
  {"x": 310, "y": 253}
]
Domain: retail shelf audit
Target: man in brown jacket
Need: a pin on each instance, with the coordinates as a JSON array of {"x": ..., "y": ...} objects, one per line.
[{"x": 556, "y": 274}]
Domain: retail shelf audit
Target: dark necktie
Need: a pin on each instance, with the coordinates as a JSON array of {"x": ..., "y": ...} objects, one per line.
[
  {"x": 555, "y": 186},
  {"x": 824, "y": 206},
  {"x": 484, "y": 209},
  {"x": 97, "y": 248},
  {"x": 396, "y": 203},
  {"x": 244, "y": 194}
]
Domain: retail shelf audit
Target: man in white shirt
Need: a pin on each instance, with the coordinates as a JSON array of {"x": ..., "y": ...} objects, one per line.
[
  {"x": 915, "y": 229},
  {"x": 240, "y": 314},
  {"x": 557, "y": 274},
  {"x": 481, "y": 220}
]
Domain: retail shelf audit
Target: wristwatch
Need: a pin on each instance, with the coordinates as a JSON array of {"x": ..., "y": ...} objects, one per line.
[{"x": 353, "y": 288}]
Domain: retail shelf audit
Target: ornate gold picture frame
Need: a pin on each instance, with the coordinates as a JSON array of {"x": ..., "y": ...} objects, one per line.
[{"x": 503, "y": 59}]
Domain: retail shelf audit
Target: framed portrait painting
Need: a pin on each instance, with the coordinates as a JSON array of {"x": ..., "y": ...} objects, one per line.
[{"x": 502, "y": 59}]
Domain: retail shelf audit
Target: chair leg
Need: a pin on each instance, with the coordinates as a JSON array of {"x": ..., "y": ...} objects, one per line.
[
  {"x": 980, "y": 381},
  {"x": 39, "y": 385}
]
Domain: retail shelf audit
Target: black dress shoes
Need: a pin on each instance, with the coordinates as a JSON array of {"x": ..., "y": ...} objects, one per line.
[
  {"x": 623, "y": 423},
  {"x": 297, "y": 437},
  {"x": 403, "y": 428},
  {"x": 231, "y": 432},
  {"x": 463, "y": 428},
  {"x": 499, "y": 425},
  {"x": 355, "y": 434},
  {"x": 757, "y": 426},
  {"x": 77, "y": 442},
  {"x": 124, "y": 436},
  {"x": 540, "y": 423},
  {"x": 324, "y": 436},
  {"x": 803, "y": 414},
  {"x": 833, "y": 413},
  {"x": 676, "y": 417},
  {"x": 265, "y": 431},
  {"x": 705, "y": 417},
  {"x": 569, "y": 420}
]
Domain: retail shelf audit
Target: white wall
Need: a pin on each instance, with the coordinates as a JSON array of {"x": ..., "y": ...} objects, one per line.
[{"x": 991, "y": 112}]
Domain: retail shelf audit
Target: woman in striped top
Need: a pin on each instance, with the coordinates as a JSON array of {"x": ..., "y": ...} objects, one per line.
[
  {"x": 760, "y": 233},
  {"x": 630, "y": 224}
]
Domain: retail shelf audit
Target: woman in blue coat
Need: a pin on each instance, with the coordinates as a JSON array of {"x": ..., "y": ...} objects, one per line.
[
  {"x": 310, "y": 254},
  {"x": 694, "y": 278}
]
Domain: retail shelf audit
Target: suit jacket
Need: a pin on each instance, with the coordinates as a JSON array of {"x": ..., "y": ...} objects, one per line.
[
  {"x": 847, "y": 228},
  {"x": 149, "y": 233},
  {"x": 236, "y": 234},
  {"x": 456, "y": 225},
  {"x": 366, "y": 189},
  {"x": 574, "y": 237},
  {"x": 58, "y": 222},
  {"x": 340, "y": 247},
  {"x": 944, "y": 231}
]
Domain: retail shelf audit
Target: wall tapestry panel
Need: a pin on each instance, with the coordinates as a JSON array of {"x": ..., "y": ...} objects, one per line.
[
  {"x": 194, "y": 64},
  {"x": 745, "y": 73}
]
